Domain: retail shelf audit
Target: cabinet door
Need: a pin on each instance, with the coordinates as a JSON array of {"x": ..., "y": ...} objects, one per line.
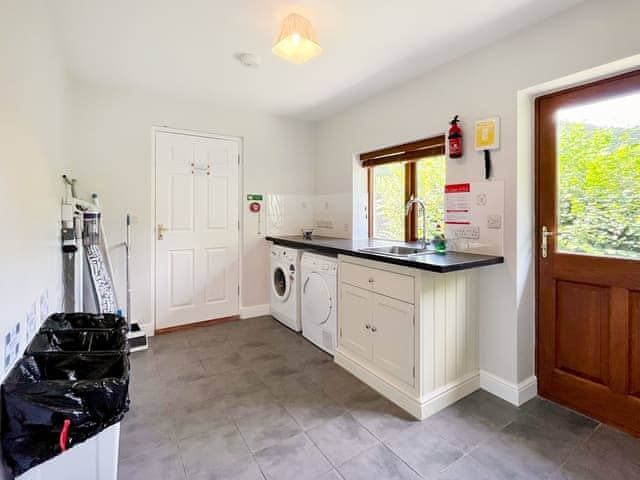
[
  {"x": 355, "y": 320},
  {"x": 393, "y": 337}
]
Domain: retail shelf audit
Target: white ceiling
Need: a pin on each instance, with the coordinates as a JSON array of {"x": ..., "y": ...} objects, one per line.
[{"x": 186, "y": 47}]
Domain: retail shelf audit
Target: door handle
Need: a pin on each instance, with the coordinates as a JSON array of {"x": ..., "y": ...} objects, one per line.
[
  {"x": 545, "y": 234},
  {"x": 373, "y": 329},
  {"x": 161, "y": 230}
]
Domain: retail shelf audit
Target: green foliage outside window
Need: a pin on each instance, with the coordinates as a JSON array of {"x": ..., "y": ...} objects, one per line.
[
  {"x": 389, "y": 197},
  {"x": 389, "y": 201},
  {"x": 599, "y": 189},
  {"x": 431, "y": 173}
]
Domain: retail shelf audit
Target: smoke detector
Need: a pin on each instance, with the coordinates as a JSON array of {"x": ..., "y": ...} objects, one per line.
[{"x": 247, "y": 59}]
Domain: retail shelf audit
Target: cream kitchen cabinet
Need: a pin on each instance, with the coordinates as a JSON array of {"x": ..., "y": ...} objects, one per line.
[
  {"x": 408, "y": 333},
  {"x": 355, "y": 334},
  {"x": 379, "y": 330},
  {"x": 392, "y": 333}
]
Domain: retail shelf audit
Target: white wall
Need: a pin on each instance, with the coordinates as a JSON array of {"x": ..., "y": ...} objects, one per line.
[
  {"x": 482, "y": 84},
  {"x": 33, "y": 155},
  {"x": 111, "y": 151}
]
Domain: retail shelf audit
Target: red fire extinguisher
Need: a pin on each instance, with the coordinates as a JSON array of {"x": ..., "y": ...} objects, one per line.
[{"x": 455, "y": 139}]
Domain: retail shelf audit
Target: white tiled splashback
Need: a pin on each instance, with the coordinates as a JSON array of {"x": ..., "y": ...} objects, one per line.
[
  {"x": 333, "y": 217},
  {"x": 328, "y": 215},
  {"x": 287, "y": 214}
]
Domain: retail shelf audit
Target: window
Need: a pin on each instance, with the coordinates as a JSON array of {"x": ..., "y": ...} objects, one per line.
[{"x": 396, "y": 173}]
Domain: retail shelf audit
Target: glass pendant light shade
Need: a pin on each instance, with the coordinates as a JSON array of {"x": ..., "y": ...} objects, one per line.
[{"x": 296, "y": 42}]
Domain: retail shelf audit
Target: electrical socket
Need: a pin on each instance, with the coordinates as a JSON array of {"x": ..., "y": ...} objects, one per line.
[
  {"x": 323, "y": 223},
  {"x": 469, "y": 232}
]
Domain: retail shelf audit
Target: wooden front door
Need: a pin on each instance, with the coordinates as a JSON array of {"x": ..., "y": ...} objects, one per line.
[{"x": 588, "y": 249}]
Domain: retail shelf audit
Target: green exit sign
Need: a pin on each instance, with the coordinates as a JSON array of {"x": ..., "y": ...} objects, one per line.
[{"x": 254, "y": 197}]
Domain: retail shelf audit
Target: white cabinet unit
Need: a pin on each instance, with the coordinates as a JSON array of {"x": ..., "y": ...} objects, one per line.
[
  {"x": 384, "y": 282},
  {"x": 408, "y": 333},
  {"x": 378, "y": 330},
  {"x": 393, "y": 337},
  {"x": 94, "y": 459},
  {"x": 356, "y": 305}
]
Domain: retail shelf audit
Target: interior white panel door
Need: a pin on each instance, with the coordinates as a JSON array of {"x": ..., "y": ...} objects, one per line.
[
  {"x": 197, "y": 234},
  {"x": 393, "y": 337}
]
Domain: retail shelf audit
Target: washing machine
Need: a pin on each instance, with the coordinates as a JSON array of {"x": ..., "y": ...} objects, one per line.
[
  {"x": 285, "y": 286},
  {"x": 319, "y": 300}
]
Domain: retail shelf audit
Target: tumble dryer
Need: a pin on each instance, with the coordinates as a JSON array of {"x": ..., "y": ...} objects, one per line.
[{"x": 319, "y": 300}]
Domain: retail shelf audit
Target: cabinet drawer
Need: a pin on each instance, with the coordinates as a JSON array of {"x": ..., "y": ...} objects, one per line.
[{"x": 391, "y": 284}]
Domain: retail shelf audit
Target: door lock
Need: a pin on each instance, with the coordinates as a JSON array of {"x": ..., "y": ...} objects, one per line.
[{"x": 161, "y": 229}]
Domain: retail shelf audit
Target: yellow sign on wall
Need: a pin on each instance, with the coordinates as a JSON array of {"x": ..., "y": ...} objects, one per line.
[{"x": 487, "y": 134}]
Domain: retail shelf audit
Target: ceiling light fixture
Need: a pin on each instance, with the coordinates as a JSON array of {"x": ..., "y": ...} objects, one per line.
[{"x": 297, "y": 41}]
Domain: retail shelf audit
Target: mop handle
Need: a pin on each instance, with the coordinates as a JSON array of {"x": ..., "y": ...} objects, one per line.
[{"x": 127, "y": 245}]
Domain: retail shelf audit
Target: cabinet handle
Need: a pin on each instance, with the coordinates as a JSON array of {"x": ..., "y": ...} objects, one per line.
[
  {"x": 374, "y": 329},
  {"x": 367, "y": 326},
  {"x": 371, "y": 280}
]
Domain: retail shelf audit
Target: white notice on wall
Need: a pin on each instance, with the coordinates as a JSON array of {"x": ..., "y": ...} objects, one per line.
[
  {"x": 457, "y": 198},
  {"x": 474, "y": 215}
]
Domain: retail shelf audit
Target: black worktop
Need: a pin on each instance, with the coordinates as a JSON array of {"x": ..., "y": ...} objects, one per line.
[{"x": 439, "y": 263}]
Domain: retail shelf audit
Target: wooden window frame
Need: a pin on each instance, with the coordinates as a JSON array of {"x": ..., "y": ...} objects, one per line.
[{"x": 410, "y": 153}]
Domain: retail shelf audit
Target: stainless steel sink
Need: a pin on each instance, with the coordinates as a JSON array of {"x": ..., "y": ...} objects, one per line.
[{"x": 397, "y": 251}]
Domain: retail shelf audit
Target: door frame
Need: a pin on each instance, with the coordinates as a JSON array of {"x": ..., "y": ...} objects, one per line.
[{"x": 152, "y": 204}]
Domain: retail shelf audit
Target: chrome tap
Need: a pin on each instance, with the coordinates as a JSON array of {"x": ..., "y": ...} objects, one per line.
[{"x": 421, "y": 204}]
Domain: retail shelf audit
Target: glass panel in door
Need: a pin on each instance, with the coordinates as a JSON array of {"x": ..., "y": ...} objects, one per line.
[{"x": 598, "y": 178}]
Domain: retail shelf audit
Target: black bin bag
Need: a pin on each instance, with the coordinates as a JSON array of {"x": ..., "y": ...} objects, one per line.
[
  {"x": 78, "y": 341},
  {"x": 62, "y": 377},
  {"x": 84, "y": 321}
]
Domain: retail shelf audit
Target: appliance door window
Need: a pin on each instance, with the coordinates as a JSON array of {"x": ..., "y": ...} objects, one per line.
[
  {"x": 280, "y": 283},
  {"x": 317, "y": 301}
]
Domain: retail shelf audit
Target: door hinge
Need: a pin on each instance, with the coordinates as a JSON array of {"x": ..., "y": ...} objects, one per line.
[
  {"x": 341, "y": 331},
  {"x": 238, "y": 225},
  {"x": 414, "y": 371},
  {"x": 238, "y": 289},
  {"x": 238, "y": 159}
]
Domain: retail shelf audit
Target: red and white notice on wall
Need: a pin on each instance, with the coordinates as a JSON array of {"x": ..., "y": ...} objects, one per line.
[{"x": 457, "y": 204}]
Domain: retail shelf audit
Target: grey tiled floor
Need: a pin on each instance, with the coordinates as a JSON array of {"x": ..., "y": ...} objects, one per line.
[{"x": 252, "y": 400}]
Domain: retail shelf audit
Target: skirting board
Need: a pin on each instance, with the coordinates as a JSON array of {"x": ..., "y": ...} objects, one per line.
[
  {"x": 437, "y": 400},
  {"x": 254, "y": 311},
  {"x": 245, "y": 312},
  {"x": 517, "y": 394}
]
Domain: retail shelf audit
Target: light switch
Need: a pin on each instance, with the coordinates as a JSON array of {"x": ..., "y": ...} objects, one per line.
[{"x": 494, "y": 221}]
